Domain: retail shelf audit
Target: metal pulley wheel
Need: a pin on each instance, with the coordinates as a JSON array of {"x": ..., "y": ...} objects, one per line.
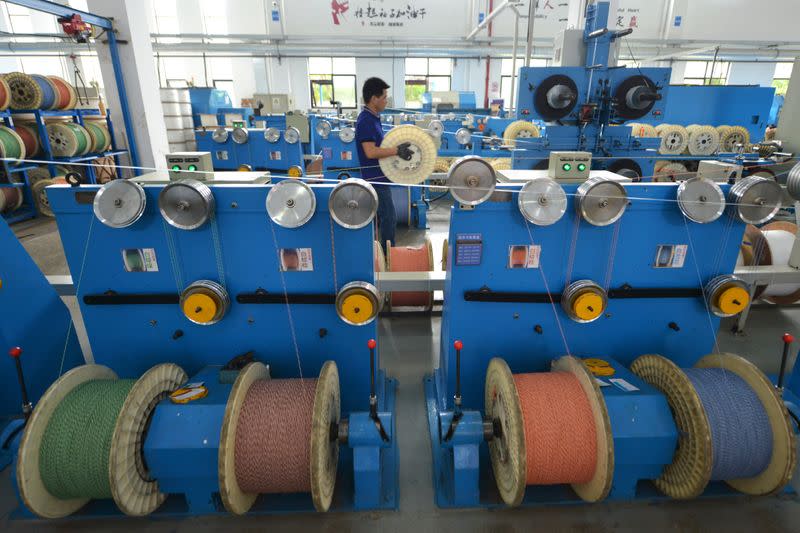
[
  {"x": 584, "y": 301},
  {"x": 701, "y": 200},
  {"x": 323, "y": 128},
  {"x": 240, "y": 135},
  {"x": 436, "y": 128},
  {"x": 358, "y": 303},
  {"x": 471, "y": 180},
  {"x": 727, "y": 295},
  {"x": 601, "y": 201},
  {"x": 423, "y": 155},
  {"x": 793, "y": 182},
  {"x": 542, "y": 201},
  {"x": 272, "y": 135},
  {"x": 756, "y": 199},
  {"x": 353, "y": 203},
  {"x": 119, "y": 203},
  {"x": 220, "y": 135},
  {"x": 463, "y": 136},
  {"x": 555, "y": 97},
  {"x": 291, "y": 135},
  {"x": 186, "y": 204},
  {"x": 205, "y": 302},
  {"x": 291, "y": 203},
  {"x": 347, "y": 134}
]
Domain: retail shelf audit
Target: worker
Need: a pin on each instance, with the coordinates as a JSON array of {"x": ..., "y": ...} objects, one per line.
[{"x": 369, "y": 135}]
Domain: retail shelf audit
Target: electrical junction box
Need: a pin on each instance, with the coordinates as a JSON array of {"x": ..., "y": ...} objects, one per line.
[
  {"x": 299, "y": 120},
  {"x": 569, "y": 49},
  {"x": 273, "y": 103},
  {"x": 719, "y": 171},
  {"x": 569, "y": 165},
  {"x": 193, "y": 165}
]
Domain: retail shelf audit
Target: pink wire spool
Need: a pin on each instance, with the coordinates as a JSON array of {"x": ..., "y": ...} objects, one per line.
[
  {"x": 555, "y": 430},
  {"x": 410, "y": 259},
  {"x": 276, "y": 437}
]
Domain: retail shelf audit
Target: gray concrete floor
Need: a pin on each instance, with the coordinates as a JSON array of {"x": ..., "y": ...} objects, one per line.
[{"x": 409, "y": 345}]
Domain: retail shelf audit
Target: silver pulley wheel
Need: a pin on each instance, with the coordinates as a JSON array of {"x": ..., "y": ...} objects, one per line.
[
  {"x": 756, "y": 199},
  {"x": 291, "y": 135},
  {"x": 323, "y": 128},
  {"x": 542, "y": 201},
  {"x": 463, "y": 136},
  {"x": 240, "y": 135},
  {"x": 220, "y": 135},
  {"x": 346, "y": 135},
  {"x": 436, "y": 128},
  {"x": 793, "y": 182},
  {"x": 291, "y": 203},
  {"x": 701, "y": 200},
  {"x": 119, "y": 203},
  {"x": 186, "y": 204},
  {"x": 471, "y": 180},
  {"x": 353, "y": 203},
  {"x": 272, "y": 135},
  {"x": 601, "y": 201}
]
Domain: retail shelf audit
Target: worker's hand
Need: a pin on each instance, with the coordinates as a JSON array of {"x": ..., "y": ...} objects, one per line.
[{"x": 404, "y": 151}]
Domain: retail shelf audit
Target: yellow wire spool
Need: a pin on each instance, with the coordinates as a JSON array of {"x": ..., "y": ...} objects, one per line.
[
  {"x": 294, "y": 171},
  {"x": 520, "y": 129}
]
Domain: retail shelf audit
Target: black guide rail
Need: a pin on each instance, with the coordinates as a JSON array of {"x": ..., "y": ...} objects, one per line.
[
  {"x": 115, "y": 298},
  {"x": 261, "y": 296},
  {"x": 625, "y": 292}
]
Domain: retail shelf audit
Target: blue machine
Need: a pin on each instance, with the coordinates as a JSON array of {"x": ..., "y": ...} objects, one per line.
[
  {"x": 466, "y": 101},
  {"x": 207, "y": 101},
  {"x": 333, "y": 139},
  {"x": 181, "y": 446},
  {"x": 259, "y": 149}
]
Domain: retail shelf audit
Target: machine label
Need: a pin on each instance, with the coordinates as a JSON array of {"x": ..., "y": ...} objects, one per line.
[
  {"x": 524, "y": 256},
  {"x": 327, "y": 153},
  {"x": 670, "y": 256},
  {"x": 297, "y": 260},
  {"x": 222, "y": 155},
  {"x": 346, "y": 155},
  {"x": 139, "y": 260},
  {"x": 469, "y": 247},
  {"x": 623, "y": 385},
  {"x": 275, "y": 156}
]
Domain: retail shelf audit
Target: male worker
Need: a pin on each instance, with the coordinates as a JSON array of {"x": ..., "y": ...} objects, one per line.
[{"x": 369, "y": 135}]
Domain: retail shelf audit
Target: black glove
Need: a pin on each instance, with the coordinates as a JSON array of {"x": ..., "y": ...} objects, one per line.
[{"x": 404, "y": 151}]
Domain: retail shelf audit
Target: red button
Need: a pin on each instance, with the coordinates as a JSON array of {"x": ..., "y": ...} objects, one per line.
[{"x": 15, "y": 352}]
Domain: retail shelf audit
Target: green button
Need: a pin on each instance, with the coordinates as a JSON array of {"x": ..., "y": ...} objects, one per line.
[
  {"x": 192, "y": 167},
  {"x": 567, "y": 167},
  {"x": 581, "y": 167},
  {"x": 176, "y": 167}
]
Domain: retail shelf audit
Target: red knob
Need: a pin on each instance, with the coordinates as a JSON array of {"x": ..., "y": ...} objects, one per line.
[
  {"x": 788, "y": 338},
  {"x": 458, "y": 345},
  {"x": 15, "y": 352},
  {"x": 371, "y": 344}
]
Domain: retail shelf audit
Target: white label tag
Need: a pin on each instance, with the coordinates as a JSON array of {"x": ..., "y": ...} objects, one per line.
[
  {"x": 670, "y": 256},
  {"x": 275, "y": 156},
  {"x": 524, "y": 256},
  {"x": 347, "y": 155},
  {"x": 601, "y": 382},
  {"x": 140, "y": 260},
  {"x": 624, "y": 385},
  {"x": 297, "y": 260}
]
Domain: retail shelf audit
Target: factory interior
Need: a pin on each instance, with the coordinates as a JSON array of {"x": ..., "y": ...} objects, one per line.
[{"x": 455, "y": 265}]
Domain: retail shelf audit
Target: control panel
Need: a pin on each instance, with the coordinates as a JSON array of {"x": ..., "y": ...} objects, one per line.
[
  {"x": 194, "y": 165},
  {"x": 570, "y": 165}
]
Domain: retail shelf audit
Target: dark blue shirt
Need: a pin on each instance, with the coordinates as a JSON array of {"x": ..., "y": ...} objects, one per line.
[{"x": 369, "y": 129}]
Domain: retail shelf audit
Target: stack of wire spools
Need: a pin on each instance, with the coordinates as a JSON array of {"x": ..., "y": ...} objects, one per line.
[
  {"x": 406, "y": 259},
  {"x": 178, "y": 119},
  {"x": 770, "y": 245},
  {"x": 35, "y": 91}
]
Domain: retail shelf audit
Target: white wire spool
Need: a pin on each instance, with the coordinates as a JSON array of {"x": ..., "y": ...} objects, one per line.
[
  {"x": 732, "y": 137},
  {"x": 780, "y": 237},
  {"x": 674, "y": 139},
  {"x": 520, "y": 129},
  {"x": 722, "y": 130},
  {"x": 642, "y": 130},
  {"x": 501, "y": 163},
  {"x": 703, "y": 140},
  {"x": 423, "y": 149},
  {"x": 671, "y": 171}
]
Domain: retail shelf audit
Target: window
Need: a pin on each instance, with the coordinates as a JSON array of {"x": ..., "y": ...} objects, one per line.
[
  {"x": 506, "y": 73},
  {"x": 783, "y": 71},
  {"x": 227, "y": 85},
  {"x": 424, "y": 75},
  {"x": 700, "y": 73},
  {"x": 332, "y": 79},
  {"x": 166, "y": 18}
]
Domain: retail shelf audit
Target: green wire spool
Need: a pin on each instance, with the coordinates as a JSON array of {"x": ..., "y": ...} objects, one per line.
[
  {"x": 82, "y": 135},
  {"x": 84, "y": 441},
  {"x": 11, "y": 145},
  {"x": 99, "y": 136}
]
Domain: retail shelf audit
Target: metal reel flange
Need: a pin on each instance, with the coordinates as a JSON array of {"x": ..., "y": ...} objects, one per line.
[
  {"x": 584, "y": 301},
  {"x": 358, "y": 303},
  {"x": 134, "y": 491},
  {"x": 119, "y": 203},
  {"x": 205, "y": 302},
  {"x": 291, "y": 203},
  {"x": 220, "y": 135},
  {"x": 327, "y": 413},
  {"x": 186, "y": 204},
  {"x": 353, "y": 203},
  {"x": 471, "y": 180},
  {"x": 701, "y": 200},
  {"x": 601, "y": 201},
  {"x": 422, "y": 161},
  {"x": 542, "y": 201},
  {"x": 690, "y": 471},
  {"x": 756, "y": 199},
  {"x": 727, "y": 295}
]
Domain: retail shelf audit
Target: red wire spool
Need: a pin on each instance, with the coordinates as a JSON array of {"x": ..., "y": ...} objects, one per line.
[
  {"x": 30, "y": 138},
  {"x": 10, "y": 199},
  {"x": 410, "y": 259},
  {"x": 276, "y": 437},
  {"x": 555, "y": 430},
  {"x": 64, "y": 92}
]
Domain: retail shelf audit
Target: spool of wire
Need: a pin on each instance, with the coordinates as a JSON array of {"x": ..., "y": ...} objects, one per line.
[
  {"x": 84, "y": 441},
  {"x": 410, "y": 259},
  {"x": 277, "y": 437},
  {"x": 553, "y": 429},
  {"x": 49, "y": 96},
  {"x": 732, "y": 426}
]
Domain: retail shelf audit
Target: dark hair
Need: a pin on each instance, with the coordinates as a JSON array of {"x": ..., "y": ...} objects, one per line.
[{"x": 373, "y": 87}]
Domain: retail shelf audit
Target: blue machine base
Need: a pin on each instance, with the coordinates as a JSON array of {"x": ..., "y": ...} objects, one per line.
[
  {"x": 534, "y": 495},
  {"x": 176, "y": 505}
]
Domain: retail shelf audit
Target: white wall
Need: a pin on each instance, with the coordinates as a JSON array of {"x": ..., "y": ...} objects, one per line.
[
  {"x": 751, "y": 74},
  {"x": 367, "y": 67}
]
